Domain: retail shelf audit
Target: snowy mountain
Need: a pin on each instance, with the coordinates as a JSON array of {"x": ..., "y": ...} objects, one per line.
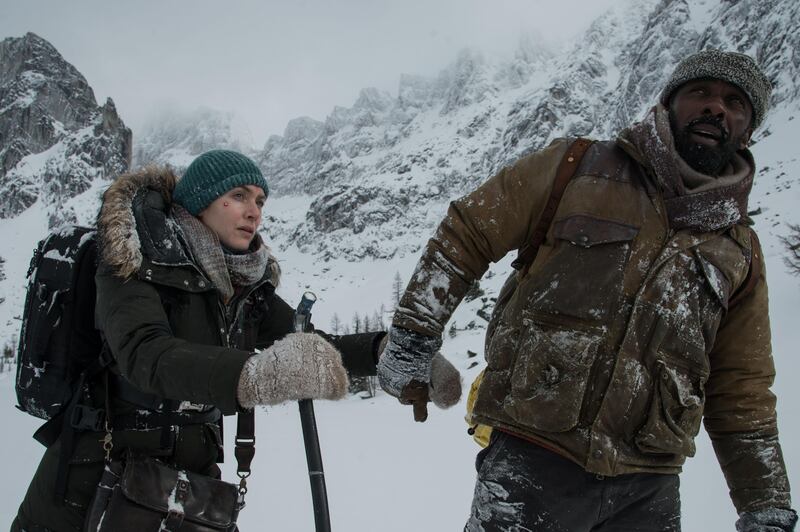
[
  {"x": 355, "y": 196},
  {"x": 175, "y": 136},
  {"x": 376, "y": 170},
  {"x": 55, "y": 141}
]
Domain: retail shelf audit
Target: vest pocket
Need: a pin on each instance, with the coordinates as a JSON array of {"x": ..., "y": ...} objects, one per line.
[
  {"x": 675, "y": 412},
  {"x": 550, "y": 376},
  {"x": 583, "y": 275}
]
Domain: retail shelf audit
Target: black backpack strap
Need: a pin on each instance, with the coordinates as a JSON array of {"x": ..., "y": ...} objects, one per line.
[
  {"x": 68, "y": 435},
  {"x": 48, "y": 433},
  {"x": 566, "y": 169}
]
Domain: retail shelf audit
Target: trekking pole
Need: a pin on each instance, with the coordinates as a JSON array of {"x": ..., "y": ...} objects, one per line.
[{"x": 319, "y": 493}]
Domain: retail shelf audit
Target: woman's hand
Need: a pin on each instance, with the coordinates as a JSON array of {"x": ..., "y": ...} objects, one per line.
[{"x": 299, "y": 366}]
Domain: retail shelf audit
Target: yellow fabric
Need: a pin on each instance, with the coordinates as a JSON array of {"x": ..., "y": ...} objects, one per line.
[{"x": 480, "y": 433}]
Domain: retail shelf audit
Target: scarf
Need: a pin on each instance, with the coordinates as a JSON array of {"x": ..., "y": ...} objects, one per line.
[
  {"x": 227, "y": 271},
  {"x": 693, "y": 200}
]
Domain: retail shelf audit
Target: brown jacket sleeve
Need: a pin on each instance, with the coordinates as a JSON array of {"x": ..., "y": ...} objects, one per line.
[
  {"x": 480, "y": 228},
  {"x": 740, "y": 413}
]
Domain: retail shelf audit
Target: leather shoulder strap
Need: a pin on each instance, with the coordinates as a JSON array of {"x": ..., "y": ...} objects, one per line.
[{"x": 566, "y": 169}]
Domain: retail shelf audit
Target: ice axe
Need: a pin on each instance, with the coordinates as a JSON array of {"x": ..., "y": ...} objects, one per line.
[{"x": 319, "y": 493}]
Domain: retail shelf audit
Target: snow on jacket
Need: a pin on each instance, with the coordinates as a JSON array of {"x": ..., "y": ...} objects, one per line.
[
  {"x": 165, "y": 323},
  {"x": 620, "y": 338}
]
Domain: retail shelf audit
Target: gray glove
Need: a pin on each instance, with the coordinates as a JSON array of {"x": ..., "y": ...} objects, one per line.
[
  {"x": 412, "y": 369},
  {"x": 299, "y": 366},
  {"x": 767, "y": 520}
]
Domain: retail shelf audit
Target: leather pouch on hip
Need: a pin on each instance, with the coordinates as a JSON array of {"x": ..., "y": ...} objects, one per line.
[{"x": 141, "y": 494}]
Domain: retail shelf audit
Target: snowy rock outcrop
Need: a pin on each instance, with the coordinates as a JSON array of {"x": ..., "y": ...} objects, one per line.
[{"x": 55, "y": 141}]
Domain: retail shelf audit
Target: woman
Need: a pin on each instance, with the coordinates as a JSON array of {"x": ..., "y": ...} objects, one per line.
[{"x": 185, "y": 297}]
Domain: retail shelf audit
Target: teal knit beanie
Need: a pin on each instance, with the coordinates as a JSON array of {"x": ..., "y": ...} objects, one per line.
[{"x": 211, "y": 175}]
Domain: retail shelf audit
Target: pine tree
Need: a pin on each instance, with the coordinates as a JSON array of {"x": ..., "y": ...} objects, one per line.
[
  {"x": 377, "y": 322},
  {"x": 356, "y": 323},
  {"x": 7, "y": 359},
  {"x": 792, "y": 243},
  {"x": 336, "y": 324},
  {"x": 397, "y": 289}
]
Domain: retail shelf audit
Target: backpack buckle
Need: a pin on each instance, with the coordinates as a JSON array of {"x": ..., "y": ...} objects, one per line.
[{"x": 87, "y": 418}]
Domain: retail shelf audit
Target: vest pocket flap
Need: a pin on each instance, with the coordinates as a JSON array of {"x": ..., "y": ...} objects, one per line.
[
  {"x": 200, "y": 499},
  {"x": 586, "y": 231}
]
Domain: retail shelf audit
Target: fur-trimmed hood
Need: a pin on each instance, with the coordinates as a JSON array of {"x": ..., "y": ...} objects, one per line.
[{"x": 135, "y": 221}]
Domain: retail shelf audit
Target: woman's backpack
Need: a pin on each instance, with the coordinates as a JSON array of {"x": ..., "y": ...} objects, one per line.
[{"x": 58, "y": 341}]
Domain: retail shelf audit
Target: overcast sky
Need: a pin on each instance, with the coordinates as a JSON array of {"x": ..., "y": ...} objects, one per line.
[{"x": 271, "y": 61}]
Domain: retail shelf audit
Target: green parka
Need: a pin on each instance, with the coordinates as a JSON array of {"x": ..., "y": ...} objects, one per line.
[
  {"x": 177, "y": 348},
  {"x": 620, "y": 338}
]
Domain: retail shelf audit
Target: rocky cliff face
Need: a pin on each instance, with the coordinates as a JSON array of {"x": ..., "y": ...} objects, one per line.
[
  {"x": 54, "y": 138},
  {"x": 387, "y": 163}
]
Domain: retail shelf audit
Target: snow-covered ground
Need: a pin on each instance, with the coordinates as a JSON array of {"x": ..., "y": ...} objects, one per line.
[{"x": 387, "y": 473}]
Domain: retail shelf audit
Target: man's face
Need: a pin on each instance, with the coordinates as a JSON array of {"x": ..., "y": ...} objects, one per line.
[{"x": 710, "y": 119}]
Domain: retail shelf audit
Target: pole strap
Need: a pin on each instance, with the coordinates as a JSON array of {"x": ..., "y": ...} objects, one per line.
[{"x": 245, "y": 448}]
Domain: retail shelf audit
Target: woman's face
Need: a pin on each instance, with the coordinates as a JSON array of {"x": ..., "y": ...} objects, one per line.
[{"x": 235, "y": 216}]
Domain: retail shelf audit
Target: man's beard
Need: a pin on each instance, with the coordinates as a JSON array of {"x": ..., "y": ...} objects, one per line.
[{"x": 704, "y": 158}]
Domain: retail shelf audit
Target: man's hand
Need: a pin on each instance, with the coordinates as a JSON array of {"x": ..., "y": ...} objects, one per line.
[
  {"x": 767, "y": 520},
  {"x": 415, "y": 393},
  {"x": 411, "y": 369}
]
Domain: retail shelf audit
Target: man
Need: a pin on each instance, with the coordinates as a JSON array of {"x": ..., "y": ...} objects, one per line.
[{"x": 644, "y": 311}]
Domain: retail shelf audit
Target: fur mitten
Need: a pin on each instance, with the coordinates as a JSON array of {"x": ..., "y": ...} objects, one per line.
[
  {"x": 445, "y": 385},
  {"x": 299, "y": 366}
]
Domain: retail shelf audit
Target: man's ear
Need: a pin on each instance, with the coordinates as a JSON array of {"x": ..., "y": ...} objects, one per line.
[{"x": 744, "y": 141}]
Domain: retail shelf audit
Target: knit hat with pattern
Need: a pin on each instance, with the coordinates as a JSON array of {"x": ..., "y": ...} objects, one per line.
[
  {"x": 211, "y": 175},
  {"x": 735, "y": 68}
]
